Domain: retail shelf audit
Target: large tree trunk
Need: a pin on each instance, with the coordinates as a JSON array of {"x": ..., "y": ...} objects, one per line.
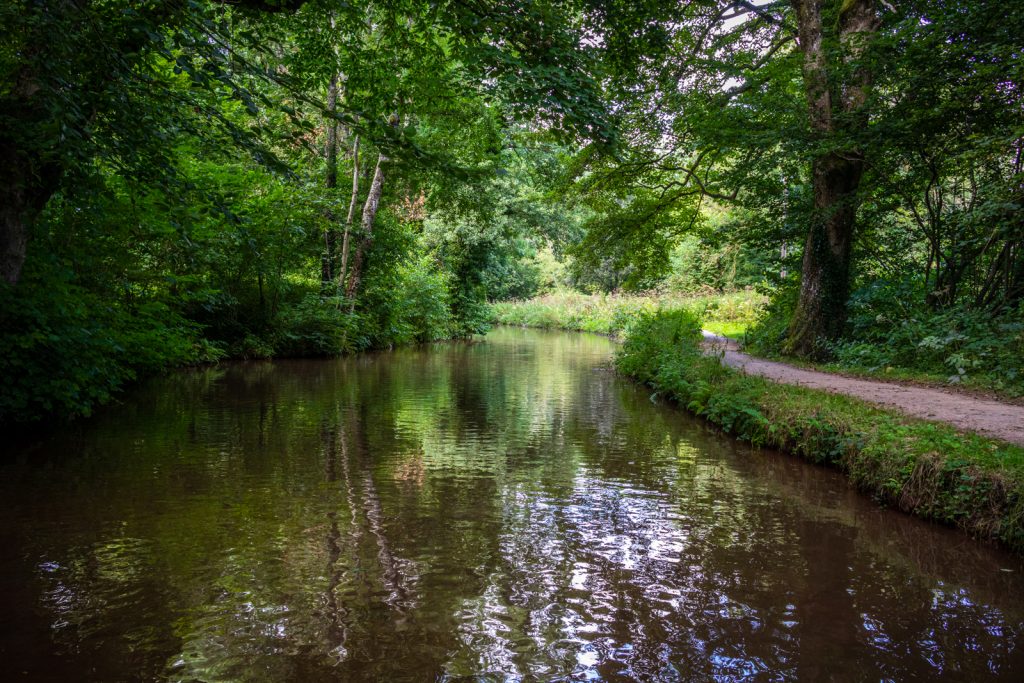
[
  {"x": 835, "y": 110},
  {"x": 369, "y": 214},
  {"x": 28, "y": 176},
  {"x": 825, "y": 277}
]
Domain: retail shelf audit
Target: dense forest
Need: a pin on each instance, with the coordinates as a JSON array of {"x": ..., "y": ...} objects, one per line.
[{"x": 189, "y": 181}]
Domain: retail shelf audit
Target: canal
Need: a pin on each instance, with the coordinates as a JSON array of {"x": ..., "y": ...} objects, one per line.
[{"x": 503, "y": 510}]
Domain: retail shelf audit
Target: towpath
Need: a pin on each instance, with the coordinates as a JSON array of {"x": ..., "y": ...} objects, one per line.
[{"x": 999, "y": 420}]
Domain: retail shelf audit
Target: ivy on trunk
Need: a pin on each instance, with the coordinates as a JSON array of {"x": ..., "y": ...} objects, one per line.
[{"x": 836, "y": 90}]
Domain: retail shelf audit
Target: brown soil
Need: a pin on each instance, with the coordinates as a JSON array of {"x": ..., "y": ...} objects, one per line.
[{"x": 984, "y": 416}]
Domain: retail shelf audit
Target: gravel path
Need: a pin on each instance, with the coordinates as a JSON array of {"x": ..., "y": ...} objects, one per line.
[{"x": 991, "y": 418}]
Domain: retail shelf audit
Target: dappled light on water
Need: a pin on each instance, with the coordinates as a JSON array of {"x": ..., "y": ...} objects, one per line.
[{"x": 507, "y": 510}]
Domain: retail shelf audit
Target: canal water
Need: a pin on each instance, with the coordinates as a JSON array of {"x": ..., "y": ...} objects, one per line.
[{"x": 503, "y": 510}]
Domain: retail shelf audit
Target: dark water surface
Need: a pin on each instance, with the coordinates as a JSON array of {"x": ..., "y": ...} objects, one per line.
[{"x": 509, "y": 510}]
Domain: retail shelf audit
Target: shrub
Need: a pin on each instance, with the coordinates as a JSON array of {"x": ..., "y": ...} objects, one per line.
[
  {"x": 956, "y": 343},
  {"x": 67, "y": 350},
  {"x": 426, "y": 307},
  {"x": 889, "y": 329},
  {"x": 316, "y": 326}
]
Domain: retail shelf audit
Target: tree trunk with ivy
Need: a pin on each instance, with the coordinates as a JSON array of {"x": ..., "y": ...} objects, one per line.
[
  {"x": 29, "y": 175},
  {"x": 13, "y": 225},
  {"x": 26, "y": 184},
  {"x": 836, "y": 112}
]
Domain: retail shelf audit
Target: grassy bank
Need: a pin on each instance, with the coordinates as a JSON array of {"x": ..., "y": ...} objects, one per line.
[
  {"x": 609, "y": 314},
  {"x": 927, "y": 469}
]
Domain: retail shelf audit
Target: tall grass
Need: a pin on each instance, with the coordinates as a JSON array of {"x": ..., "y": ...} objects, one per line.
[{"x": 614, "y": 314}]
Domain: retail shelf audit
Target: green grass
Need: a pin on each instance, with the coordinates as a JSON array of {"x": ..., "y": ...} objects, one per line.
[
  {"x": 726, "y": 328},
  {"x": 928, "y": 469},
  {"x": 611, "y": 314}
]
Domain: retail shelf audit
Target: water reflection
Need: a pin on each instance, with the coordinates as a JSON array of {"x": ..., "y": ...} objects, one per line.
[{"x": 500, "y": 511}]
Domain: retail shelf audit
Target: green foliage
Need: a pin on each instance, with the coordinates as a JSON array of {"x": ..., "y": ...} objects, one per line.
[
  {"x": 768, "y": 334},
  {"x": 316, "y": 326},
  {"x": 890, "y": 330},
  {"x": 427, "y": 302},
  {"x": 614, "y": 314},
  {"x": 513, "y": 275},
  {"x": 602, "y": 314},
  {"x": 721, "y": 258},
  {"x": 67, "y": 350},
  {"x": 408, "y": 304}
]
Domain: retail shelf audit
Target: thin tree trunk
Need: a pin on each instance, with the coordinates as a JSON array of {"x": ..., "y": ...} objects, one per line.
[
  {"x": 825, "y": 280},
  {"x": 263, "y": 298},
  {"x": 332, "y": 133},
  {"x": 343, "y": 270},
  {"x": 25, "y": 187},
  {"x": 369, "y": 214},
  {"x": 13, "y": 233},
  {"x": 330, "y": 182}
]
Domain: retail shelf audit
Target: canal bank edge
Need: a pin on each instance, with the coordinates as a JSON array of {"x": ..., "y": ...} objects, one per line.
[{"x": 927, "y": 469}]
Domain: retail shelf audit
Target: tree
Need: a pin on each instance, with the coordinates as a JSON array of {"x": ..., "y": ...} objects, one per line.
[
  {"x": 794, "y": 113},
  {"x": 81, "y": 83},
  {"x": 836, "y": 81}
]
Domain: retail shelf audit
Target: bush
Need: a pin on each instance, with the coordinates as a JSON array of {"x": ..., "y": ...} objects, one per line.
[
  {"x": 426, "y": 311},
  {"x": 768, "y": 334},
  {"x": 252, "y": 347},
  {"x": 957, "y": 343},
  {"x": 67, "y": 350},
  {"x": 889, "y": 330},
  {"x": 405, "y": 305},
  {"x": 316, "y": 326}
]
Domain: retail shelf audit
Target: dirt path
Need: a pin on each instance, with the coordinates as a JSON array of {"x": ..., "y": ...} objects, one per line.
[{"x": 991, "y": 418}]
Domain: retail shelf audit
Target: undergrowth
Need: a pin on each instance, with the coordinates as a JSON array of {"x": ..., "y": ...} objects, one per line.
[
  {"x": 612, "y": 314},
  {"x": 891, "y": 333}
]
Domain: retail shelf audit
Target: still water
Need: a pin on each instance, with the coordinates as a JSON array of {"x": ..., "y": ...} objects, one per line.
[{"x": 505, "y": 510}]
